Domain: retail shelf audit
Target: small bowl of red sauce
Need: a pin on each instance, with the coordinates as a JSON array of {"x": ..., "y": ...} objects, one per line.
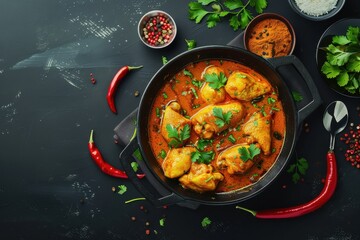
[
  {"x": 157, "y": 29},
  {"x": 270, "y": 35}
]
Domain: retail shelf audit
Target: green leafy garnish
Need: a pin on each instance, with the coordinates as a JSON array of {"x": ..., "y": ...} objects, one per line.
[
  {"x": 343, "y": 60},
  {"x": 298, "y": 168},
  {"x": 232, "y": 139},
  {"x": 122, "y": 189},
  {"x": 188, "y": 73},
  {"x": 216, "y": 81},
  {"x": 248, "y": 153},
  {"x": 165, "y": 96},
  {"x": 135, "y": 166},
  {"x": 190, "y": 44},
  {"x": 221, "y": 118},
  {"x": 203, "y": 143},
  {"x": 164, "y": 60},
  {"x": 236, "y": 11},
  {"x": 137, "y": 154},
  {"x": 178, "y": 137},
  {"x": 162, "y": 222},
  {"x": 205, "y": 222},
  {"x": 297, "y": 96},
  {"x": 162, "y": 154},
  {"x": 197, "y": 83},
  {"x": 202, "y": 156}
]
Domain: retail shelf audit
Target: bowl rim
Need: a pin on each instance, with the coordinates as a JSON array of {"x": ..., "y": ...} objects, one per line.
[
  {"x": 154, "y": 13},
  {"x": 268, "y": 15},
  {"x": 339, "y": 5}
]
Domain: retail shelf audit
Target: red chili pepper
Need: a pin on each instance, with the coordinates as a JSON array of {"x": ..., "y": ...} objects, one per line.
[
  {"x": 115, "y": 83},
  {"x": 320, "y": 200},
  {"x": 104, "y": 166}
]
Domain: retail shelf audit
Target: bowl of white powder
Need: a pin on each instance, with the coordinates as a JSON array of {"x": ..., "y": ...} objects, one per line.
[{"x": 317, "y": 10}]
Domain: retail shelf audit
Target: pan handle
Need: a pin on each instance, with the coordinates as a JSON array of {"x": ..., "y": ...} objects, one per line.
[
  {"x": 125, "y": 158},
  {"x": 315, "y": 100}
]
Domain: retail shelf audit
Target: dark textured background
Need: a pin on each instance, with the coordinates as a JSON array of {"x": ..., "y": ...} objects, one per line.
[{"x": 48, "y": 107}]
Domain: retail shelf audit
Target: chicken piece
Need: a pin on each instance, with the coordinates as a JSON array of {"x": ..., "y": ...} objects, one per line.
[
  {"x": 201, "y": 178},
  {"x": 245, "y": 87},
  {"x": 206, "y": 124},
  {"x": 177, "y": 162},
  {"x": 259, "y": 129},
  {"x": 230, "y": 158},
  {"x": 210, "y": 95},
  {"x": 172, "y": 117}
]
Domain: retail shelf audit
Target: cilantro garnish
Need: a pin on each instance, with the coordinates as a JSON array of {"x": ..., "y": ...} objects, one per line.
[
  {"x": 343, "y": 60},
  {"x": 197, "y": 83},
  {"x": 232, "y": 139},
  {"x": 190, "y": 44},
  {"x": 122, "y": 189},
  {"x": 188, "y": 73},
  {"x": 221, "y": 118},
  {"x": 297, "y": 96},
  {"x": 216, "y": 81},
  {"x": 162, "y": 222},
  {"x": 203, "y": 143},
  {"x": 298, "y": 168},
  {"x": 178, "y": 137},
  {"x": 205, "y": 222},
  {"x": 202, "y": 156},
  {"x": 164, "y": 60},
  {"x": 238, "y": 13},
  {"x": 248, "y": 153},
  {"x": 162, "y": 154},
  {"x": 135, "y": 166}
]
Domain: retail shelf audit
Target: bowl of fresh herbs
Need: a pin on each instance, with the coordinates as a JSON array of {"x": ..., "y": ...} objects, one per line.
[{"x": 338, "y": 57}]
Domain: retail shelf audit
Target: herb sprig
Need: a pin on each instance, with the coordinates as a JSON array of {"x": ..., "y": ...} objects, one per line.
[
  {"x": 298, "y": 168},
  {"x": 343, "y": 60},
  {"x": 221, "y": 118},
  {"x": 178, "y": 137},
  {"x": 249, "y": 153},
  {"x": 216, "y": 81},
  {"x": 239, "y": 13}
]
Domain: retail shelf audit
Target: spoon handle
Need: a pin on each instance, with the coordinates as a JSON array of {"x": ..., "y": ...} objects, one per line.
[{"x": 332, "y": 142}]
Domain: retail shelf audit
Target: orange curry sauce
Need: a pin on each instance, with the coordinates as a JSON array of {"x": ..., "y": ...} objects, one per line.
[{"x": 181, "y": 89}]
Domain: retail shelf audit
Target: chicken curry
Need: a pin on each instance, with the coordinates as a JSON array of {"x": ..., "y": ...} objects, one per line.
[{"x": 216, "y": 126}]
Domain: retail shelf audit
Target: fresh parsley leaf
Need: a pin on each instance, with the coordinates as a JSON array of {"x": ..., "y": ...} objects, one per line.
[
  {"x": 341, "y": 40},
  {"x": 353, "y": 34},
  {"x": 165, "y": 96},
  {"x": 122, "y": 189},
  {"x": 190, "y": 44},
  {"x": 188, "y": 73},
  {"x": 135, "y": 166},
  {"x": 162, "y": 154},
  {"x": 248, "y": 153},
  {"x": 203, "y": 143},
  {"x": 205, "y": 222},
  {"x": 197, "y": 83},
  {"x": 298, "y": 168},
  {"x": 232, "y": 139},
  {"x": 239, "y": 13},
  {"x": 342, "y": 79},
  {"x": 221, "y": 118},
  {"x": 216, "y": 81},
  {"x": 162, "y": 222},
  {"x": 137, "y": 154},
  {"x": 329, "y": 70},
  {"x": 202, "y": 157},
  {"x": 271, "y": 100},
  {"x": 164, "y": 60},
  {"x": 297, "y": 96},
  {"x": 177, "y": 138}
]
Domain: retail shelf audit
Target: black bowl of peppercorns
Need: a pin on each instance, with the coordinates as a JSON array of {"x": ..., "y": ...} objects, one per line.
[{"x": 157, "y": 29}]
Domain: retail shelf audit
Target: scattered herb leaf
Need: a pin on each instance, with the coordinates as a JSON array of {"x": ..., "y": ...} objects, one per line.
[
  {"x": 190, "y": 44},
  {"x": 162, "y": 154},
  {"x": 122, "y": 189},
  {"x": 162, "y": 222},
  {"x": 221, "y": 118},
  {"x": 135, "y": 166},
  {"x": 202, "y": 157},
  {"x": 297, "y": 96},
  {"x": 203, "y": 143},
  {"x": 178, "y": 138},
  {"x": 188, "y": 73},
  {"x": 216, "y": 81},
  {"x": 248, "y": 153},
  {"x": 232, "y": 139},
  {"x": 205, "y": 222},
  {"x": 164, "y": 60},
  {"x": 298, "y": 168}
]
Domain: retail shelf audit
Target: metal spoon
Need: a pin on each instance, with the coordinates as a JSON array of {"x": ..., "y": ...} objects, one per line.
[{"x": 335, "y": 120}]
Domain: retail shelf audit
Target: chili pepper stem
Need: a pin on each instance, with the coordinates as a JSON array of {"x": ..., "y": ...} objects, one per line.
[
  {"x": 247, "y": 210},
  {"x": 134, "y": 67},
  {"x": 91, "y": 139},
  {"x": 135, "y": 199}
]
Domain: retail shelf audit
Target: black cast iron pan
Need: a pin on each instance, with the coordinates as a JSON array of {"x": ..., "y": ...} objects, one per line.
[{"x": 169, "y": 191}]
